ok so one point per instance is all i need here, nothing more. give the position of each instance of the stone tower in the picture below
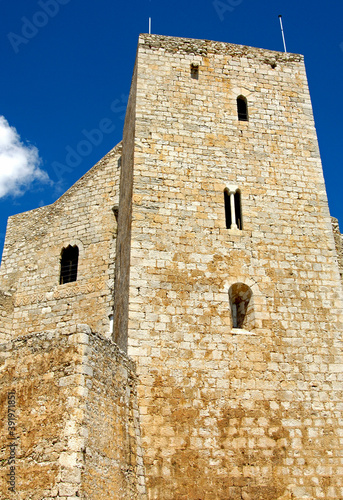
(223, 377)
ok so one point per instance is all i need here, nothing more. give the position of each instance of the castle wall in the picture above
(32, 298)
(122, 272)
(112, 455)
(339, 244)
(6, 314)
(72, 400)
(226, 409)
(32, 369)
(232, 412)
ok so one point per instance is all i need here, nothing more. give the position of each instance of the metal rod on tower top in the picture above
(149, 25)
(283, 35)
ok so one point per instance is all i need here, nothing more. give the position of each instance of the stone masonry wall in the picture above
(113, 462)
(76, 426)
(228, 412)
(35, 368)
(31, 298)
(122, 272)
(251, 413)
(339, 244)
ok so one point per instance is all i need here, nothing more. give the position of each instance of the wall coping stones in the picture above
(204, 47)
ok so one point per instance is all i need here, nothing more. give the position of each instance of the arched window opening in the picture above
(242, 308)
(242, 108)
(69, 261)
(233, 208)
(238, 210)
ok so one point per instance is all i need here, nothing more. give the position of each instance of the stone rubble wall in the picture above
(113, 452)
(227, 412)
(123, 253)
(206, 410)
(339, 244)
(76, 419)
(31, 297)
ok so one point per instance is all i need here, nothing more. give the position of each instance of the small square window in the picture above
(195, 71)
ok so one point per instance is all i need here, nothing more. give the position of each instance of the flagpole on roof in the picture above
(283, 35)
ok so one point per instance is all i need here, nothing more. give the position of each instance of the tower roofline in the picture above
(202, 47)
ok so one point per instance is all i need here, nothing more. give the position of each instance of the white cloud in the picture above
(19, 164)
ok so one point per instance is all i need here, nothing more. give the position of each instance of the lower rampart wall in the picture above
(69, 423)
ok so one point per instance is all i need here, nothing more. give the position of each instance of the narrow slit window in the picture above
(115, 210)
(242, 108)
(234, 315)
(233, 208)
(195, 71)
(228, 216)
(238, 210)
(69, 262)
(242, 307)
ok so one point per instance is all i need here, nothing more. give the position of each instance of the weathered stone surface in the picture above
(70, 443)
(339, 244)
(229, 413)
(210, 409)
(32, 300)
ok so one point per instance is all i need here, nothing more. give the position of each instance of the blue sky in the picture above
(66, 69)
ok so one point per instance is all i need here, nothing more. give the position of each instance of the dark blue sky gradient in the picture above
(72, 75)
